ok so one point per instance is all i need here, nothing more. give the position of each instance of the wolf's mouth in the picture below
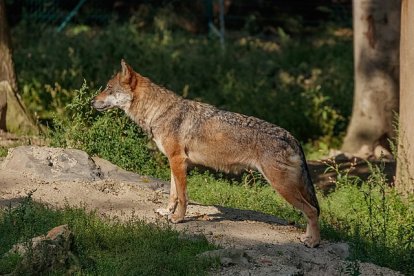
(102, 108)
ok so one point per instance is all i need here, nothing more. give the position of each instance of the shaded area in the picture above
(233, 214)
(324, 176)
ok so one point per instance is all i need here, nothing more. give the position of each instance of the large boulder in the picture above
(59, 164)
(52, 163)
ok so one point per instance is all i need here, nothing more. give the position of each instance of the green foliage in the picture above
(20, 225)
(351, 268)
(3, 151)
(374, 218)
(259, 196)
(110, 135)
(105, 247)
(283, 83)
(370, 215)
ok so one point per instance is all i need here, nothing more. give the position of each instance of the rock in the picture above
(339, 249)
(52, 163)
(382, 153)
(45, 254)
(228, 256)
(58, 164)
(111, 171)
(190, 237)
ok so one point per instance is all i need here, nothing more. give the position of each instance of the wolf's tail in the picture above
(307, 180)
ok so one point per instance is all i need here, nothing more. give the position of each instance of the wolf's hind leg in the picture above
(311, 237)
(288, 184)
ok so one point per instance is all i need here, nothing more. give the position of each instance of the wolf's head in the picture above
(118, 92)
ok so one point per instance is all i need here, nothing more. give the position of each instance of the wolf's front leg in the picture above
(173, 200)
(179, 174)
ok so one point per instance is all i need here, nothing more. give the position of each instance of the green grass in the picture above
(3, 151)
(376, 221)
(207, 189)
(105, 247)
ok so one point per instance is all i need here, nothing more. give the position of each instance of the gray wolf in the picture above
(193, 133)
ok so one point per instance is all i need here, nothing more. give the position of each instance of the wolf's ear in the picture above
(126, 72)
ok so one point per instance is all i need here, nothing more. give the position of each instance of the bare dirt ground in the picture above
(270, 246)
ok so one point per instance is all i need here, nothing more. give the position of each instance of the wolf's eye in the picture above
(109, 89)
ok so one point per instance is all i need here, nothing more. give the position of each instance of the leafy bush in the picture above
(283, 83)
(109, 135)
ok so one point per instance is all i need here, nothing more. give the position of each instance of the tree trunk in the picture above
(13, 115)
(376, 69)
(405, 164)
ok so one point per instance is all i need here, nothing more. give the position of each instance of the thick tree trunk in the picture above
(376, 58)
(13, 115)
(405, 164)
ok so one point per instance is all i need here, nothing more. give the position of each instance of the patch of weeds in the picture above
(9, 262)
(351, 268)
(105, 246)
(373, 218)
(258, 196)
(3, 151)
(110, 135)
(20, 224)
(135, 248)
(370, 215)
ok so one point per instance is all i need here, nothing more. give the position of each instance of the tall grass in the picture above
(373, 217)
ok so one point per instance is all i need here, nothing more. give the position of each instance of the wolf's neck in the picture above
(151, 103)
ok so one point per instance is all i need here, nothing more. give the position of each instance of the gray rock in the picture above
(52, 163)
(58, 164)
(228, 256)
(111, 171)
(339, 249)
(45, 254)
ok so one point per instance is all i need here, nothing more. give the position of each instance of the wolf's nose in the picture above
(92, 102)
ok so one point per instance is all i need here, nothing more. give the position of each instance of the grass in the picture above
(105, 247)
(3, 151)
(207, 189)
(376, 221)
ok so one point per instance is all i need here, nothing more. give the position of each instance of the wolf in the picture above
(193, 133)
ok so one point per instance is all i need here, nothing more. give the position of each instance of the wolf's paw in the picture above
(309, 241)
(174, 218)
(163, 212)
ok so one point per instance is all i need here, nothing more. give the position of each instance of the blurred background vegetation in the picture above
(289, 63)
